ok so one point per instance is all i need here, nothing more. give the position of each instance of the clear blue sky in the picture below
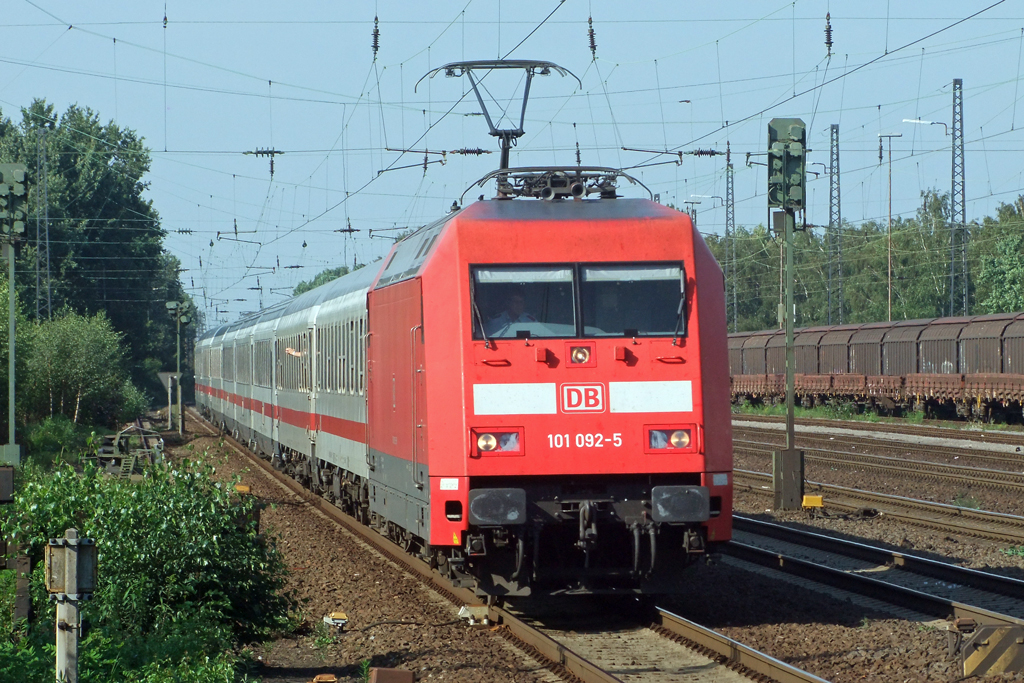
(224, 78)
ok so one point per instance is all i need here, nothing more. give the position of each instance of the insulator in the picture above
(475, 151)
(376, 38)
(705, 152)
(592, 36)
(828, 32)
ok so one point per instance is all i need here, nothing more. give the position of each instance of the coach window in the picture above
(632, 300)
(523, 302)
(352, 342)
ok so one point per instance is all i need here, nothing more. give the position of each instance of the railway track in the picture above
(681, 644)
(935, 516)
(960, 474)
(982, 613)
(959, 589)
(881, 446)
(1009, 437)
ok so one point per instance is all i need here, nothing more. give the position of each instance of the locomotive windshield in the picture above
(614, 300)
(523, 301)
(630, 300)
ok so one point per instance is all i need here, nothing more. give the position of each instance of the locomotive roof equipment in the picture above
(555, 182)
(506, 136)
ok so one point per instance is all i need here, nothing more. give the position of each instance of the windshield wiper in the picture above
(479, 319)
(680, 321)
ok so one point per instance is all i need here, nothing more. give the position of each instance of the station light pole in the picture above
(181, 312)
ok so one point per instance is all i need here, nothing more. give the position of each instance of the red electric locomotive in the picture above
(532, 392)
(549, 395)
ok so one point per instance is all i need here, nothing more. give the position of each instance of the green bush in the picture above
(183, 573)
(53, 436)
(134, 403)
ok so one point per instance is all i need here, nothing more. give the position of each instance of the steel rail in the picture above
(1001, 479)
(694, 635)
(908, 598)
(876, 445)
(562, 660)
(943, 571)
(942, 517)
(1008, 437)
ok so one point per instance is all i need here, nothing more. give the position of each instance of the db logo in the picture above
(583, 398)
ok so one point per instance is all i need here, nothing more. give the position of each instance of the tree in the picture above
(106, 242)
(1002, 276)
(323, 277)
(75, 368)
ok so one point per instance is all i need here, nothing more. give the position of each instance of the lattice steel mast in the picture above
(44, 302)
(730, 241)
(835, 234)
(958, 275)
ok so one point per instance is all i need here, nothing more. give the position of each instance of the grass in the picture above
(1013, 551)
(852, 411)
(966, 500)
(364, 671)
(844, 411)
(322, 636)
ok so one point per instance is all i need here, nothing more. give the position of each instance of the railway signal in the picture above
(787, 163)
(13, 207)
(787, 182)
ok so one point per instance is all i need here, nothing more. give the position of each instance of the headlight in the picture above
(499, 441)
(680, 438)
(669, 438)
(579, 354)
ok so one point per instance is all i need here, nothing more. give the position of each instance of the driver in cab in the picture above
(515, 312)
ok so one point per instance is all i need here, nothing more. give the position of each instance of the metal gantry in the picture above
(958, 237)
(835, 234)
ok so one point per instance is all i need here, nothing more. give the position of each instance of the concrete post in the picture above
(68, 622)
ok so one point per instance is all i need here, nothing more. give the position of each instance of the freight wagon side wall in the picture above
(1013, 347)
(938, 349)
(899, 350)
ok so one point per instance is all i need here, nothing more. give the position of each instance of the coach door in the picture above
(396, 403)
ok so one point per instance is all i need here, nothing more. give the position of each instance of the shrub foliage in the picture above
(183, 573)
